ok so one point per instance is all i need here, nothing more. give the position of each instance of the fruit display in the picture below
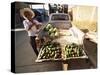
(56, 47)
(51, 50)
(73, 50)
(51, 31)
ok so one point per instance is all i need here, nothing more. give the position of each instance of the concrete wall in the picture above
(85, 17)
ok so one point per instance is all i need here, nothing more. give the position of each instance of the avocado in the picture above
(48, 26)
(43, 57)
(52, 53)
(55, 30)
(51, 30)
(55, 56)
(56, 34)
(52, 35)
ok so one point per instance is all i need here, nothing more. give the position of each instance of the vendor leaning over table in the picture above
(31, 26)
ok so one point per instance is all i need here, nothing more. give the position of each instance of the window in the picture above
(60, 17)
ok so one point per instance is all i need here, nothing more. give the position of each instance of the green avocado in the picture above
(48, 26)
(55, 30)
(51, 30)
(56, 34)
(52, 35)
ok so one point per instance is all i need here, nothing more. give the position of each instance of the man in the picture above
(31, 25)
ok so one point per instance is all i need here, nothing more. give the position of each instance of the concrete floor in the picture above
(25, 58)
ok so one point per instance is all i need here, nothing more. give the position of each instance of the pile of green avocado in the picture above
(52, 31)
(73, 50)
(51, 50)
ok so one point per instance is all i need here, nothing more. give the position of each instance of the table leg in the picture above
(65, 66)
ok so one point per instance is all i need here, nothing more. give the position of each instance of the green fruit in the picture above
(50, 46)
(52, 53)
(48, 26)
(51, 30)
(56, 34)
(52, 35)
(49, 49)
(43, 57)
(53, 49)
(55, 30)
(45, 29)
(55, 56)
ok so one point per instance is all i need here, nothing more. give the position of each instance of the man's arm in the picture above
(38, 24)
(26, 26)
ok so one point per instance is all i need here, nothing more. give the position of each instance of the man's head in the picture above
(27, 13)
